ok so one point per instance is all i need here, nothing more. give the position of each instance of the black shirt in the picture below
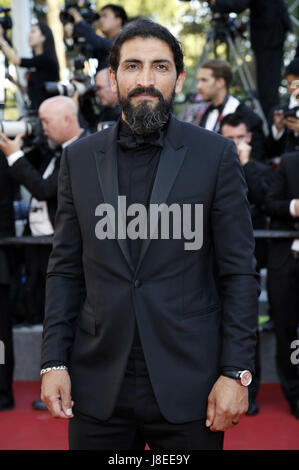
(138, 159)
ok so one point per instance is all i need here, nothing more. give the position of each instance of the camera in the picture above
(27, 126)
(85, 8)
(5, 21)
(66, 89)
(294, 112)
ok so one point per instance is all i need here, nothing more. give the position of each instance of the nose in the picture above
(146, 77)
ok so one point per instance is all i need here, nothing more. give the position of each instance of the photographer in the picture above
(58, 116)
(43, 66)
(106, 101)
(284, 132)
(269, 23)
(112, 19)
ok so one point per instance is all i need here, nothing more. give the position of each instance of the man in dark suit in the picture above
(269, 24)
(214, 80)
(148, 338)
(6, 229)
(283, 272)
(284, 131)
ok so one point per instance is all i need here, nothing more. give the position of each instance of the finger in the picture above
(3, 137)
(220, 422)
(54, 406)
(19, 137)
(210, 412)
(66, 402)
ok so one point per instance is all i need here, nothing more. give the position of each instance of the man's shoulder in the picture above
(192, 134)
(90, 142)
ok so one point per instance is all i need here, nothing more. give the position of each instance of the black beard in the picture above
(144, 119)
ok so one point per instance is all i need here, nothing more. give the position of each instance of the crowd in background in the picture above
(270, 163)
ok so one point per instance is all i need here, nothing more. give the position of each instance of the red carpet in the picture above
(274, 428)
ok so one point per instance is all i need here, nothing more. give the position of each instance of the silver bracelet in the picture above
(48, 369)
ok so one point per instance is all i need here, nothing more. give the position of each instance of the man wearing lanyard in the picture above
(214, 80)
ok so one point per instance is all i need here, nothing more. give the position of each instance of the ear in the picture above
(248, 137)
(179, 82)
(112, 78)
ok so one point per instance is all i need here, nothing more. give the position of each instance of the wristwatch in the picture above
(244, 377)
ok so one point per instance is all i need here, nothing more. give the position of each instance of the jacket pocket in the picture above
(202, 312)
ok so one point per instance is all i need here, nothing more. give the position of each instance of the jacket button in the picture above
(137, 283)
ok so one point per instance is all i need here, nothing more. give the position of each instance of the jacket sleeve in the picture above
(277, 202)
(99, 44)
(40, 188)
(235, 263)
(65, 286)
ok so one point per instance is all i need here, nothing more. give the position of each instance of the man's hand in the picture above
(10, 146)
(296, 207)
(227, 403)
(292, 123)
(56, 393)
(75, 14)
(244, 151)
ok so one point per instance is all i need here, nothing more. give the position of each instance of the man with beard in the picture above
(145, 340)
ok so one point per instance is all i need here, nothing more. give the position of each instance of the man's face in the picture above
(207, 84)
(53, 123)
(108, 21)
(293, 86)
(103, 89)
(238, 134)
(146, 78)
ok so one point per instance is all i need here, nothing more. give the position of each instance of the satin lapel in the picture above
(171, 160)
(106, 164)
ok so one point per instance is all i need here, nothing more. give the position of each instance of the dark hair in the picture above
(220, 69)
(48, 45)
(146, 28)
(119, 12)
(233, 120)
(293, 68)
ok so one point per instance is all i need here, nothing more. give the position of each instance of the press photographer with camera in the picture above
(284, 132)
(112, 19)
(42, 67)
(106, 107)
(269, 24)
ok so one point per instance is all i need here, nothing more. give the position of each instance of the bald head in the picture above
(59, 118)
(104, 93)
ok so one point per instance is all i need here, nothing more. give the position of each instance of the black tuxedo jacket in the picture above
(196, 310)
(31, 177)
(269, 20)
(284, 188)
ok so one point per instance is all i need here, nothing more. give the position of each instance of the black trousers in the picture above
(283, 291)
(137, 420)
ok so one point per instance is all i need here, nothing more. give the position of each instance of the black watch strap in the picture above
(232, 374)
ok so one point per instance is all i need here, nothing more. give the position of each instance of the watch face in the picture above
(246, 378)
